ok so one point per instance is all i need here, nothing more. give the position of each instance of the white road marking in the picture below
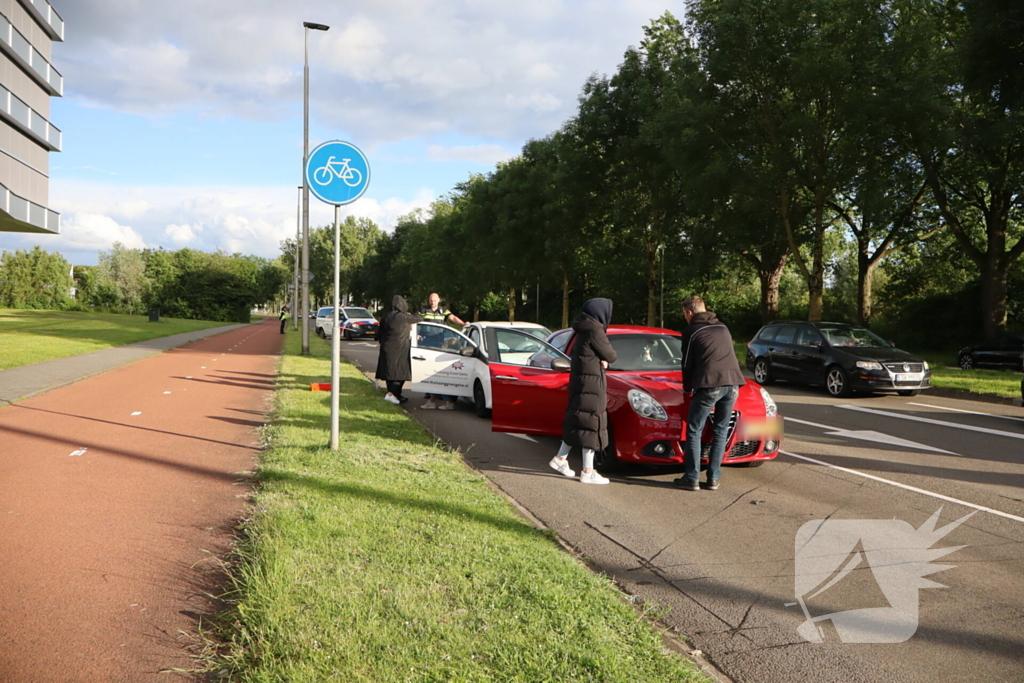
(166, 392)
(202, 367)
(969, 412)
(998, 513)
(80, 451)
(954, 425)
(524, 437)
(137, 412)
(868, 435)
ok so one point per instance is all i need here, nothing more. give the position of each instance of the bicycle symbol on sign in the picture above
(326, 174)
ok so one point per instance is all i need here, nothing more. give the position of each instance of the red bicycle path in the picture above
(109, 555)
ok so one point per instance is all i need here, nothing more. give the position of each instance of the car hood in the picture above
(879, 353)
(667, 389)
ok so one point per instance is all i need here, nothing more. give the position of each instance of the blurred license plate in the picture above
(913, 377)
(371, 332)
(758, 429)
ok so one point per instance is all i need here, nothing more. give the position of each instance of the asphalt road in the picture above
(726, 564)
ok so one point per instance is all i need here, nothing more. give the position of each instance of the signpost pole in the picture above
(298, 240)
(336, 333)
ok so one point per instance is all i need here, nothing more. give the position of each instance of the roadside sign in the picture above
(337, 172)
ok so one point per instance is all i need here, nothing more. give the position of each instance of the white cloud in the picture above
(95, 231)
(248, 220)
(386, 70)
(479, 154)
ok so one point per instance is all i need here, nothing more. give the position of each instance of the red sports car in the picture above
(646, 405)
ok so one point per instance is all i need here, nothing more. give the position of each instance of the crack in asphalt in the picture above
(661, 575)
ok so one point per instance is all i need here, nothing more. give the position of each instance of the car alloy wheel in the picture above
(348, 336)
(320, 333)
(762, 372)
(480, 401)
(836, 382)
(966, 362)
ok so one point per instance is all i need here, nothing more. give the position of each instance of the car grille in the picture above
(905, 367)
(743, 448)
(705, 446)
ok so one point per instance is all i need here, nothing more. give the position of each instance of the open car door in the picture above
(442, 360)
(528, 395)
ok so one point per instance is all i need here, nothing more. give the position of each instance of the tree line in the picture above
(182, 284)
(857, 159)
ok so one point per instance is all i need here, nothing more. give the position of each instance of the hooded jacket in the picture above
(709, 359)
(586, 414)
(394, 337)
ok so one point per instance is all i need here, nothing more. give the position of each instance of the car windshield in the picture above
(357, 313)
(852, 336)
(646, 352)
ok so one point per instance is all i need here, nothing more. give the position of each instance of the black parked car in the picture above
(843, 358)
(1003, 352)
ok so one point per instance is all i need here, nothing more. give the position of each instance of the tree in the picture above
(121, 278)
(34, 279)
(967, 109)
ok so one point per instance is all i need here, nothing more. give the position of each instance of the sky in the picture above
(182, 121)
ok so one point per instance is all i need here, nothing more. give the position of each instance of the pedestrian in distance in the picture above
(586, 414)
(712, 380)
(394, 367)
(434, 312)
(283, 317)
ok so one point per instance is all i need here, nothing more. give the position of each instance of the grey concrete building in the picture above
(27, 82)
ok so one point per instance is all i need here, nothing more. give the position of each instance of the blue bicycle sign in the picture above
(337, 172)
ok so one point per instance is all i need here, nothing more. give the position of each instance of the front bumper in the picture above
(745, 444)
(884, 382)
(358, 331)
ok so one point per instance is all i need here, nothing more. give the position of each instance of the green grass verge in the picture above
(390, 560)
(946, 375)
(30, 336)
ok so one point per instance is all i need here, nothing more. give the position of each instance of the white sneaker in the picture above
(592, 477)
(561, 465)
(446, 405)
(391, 398)
(429, 405)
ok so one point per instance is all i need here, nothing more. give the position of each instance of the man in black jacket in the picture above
(711, 379)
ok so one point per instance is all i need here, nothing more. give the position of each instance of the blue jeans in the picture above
(722, 399)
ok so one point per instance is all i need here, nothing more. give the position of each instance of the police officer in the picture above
(283, 317)
(434, 312)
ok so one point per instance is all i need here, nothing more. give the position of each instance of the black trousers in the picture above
(395, 388)
(283, 321)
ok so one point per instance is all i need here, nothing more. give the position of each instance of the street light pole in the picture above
(305, 189)
(298, 241)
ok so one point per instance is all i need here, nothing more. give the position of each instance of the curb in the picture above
(971, 396)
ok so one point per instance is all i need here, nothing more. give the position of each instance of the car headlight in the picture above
(645, 406)
(869, 365)
(926, 366)
(770, 408)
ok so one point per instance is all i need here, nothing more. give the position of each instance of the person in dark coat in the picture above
(712, 379)
(586, 415)
(394, 367)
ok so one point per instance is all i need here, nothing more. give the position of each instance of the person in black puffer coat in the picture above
(394, 366)
(586, 415)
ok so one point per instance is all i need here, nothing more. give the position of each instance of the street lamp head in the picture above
(315, 27)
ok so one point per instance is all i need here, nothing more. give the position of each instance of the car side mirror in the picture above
(561, 364)
(467, 351)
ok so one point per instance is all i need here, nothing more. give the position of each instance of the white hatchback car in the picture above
(445, 361)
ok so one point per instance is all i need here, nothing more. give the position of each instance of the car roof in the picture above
(810, 322)
(498, 323)
(631, 329)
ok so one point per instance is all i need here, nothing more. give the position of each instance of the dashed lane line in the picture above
(953, 425)
(998, 513)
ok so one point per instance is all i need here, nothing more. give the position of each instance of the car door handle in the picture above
(418, 358)
(514, 379)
